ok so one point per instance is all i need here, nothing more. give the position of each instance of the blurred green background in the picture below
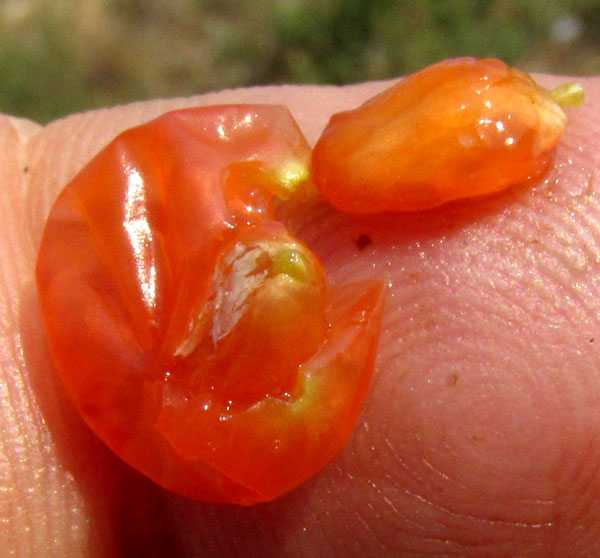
(63, 56)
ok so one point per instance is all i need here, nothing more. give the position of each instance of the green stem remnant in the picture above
(568, 95)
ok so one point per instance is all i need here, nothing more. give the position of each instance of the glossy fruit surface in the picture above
(460, 128)
(194, 334)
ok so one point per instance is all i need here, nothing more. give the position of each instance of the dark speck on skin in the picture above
(25, 169)
(363, 241)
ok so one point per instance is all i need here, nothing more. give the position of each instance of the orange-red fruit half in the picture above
(460, 128)
(193, 333)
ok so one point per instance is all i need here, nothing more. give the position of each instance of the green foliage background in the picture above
(63, 56)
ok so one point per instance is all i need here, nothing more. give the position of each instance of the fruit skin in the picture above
(460, 128)
(193, 333)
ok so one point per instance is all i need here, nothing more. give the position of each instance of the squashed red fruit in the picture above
(193, 333)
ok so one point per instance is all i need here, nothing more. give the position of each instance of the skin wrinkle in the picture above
(458, 543)
(580, 307)
(577, 479)
(430, 503)
(15, 397)
(386, 526)
(509, 297)
(74, 519)
(447, 511)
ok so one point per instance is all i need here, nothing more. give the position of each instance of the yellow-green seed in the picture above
(289, 177)
(291, 262)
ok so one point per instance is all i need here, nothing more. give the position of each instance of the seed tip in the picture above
(289, 177)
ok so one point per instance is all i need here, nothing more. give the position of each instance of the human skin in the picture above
(480, 436)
